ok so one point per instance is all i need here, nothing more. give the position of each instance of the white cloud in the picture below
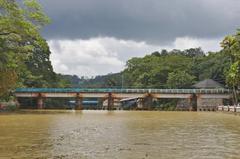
(103, 55)
(206, 44)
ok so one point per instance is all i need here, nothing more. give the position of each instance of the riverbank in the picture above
(229, 113)
(65, 111)
(8, 106)
(36, 111)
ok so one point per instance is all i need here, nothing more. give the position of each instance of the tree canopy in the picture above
(176, 68)
(231, 47)
(24, 54)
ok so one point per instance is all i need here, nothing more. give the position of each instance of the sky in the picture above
(97, 37)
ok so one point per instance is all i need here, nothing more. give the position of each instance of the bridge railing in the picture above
(110, 90)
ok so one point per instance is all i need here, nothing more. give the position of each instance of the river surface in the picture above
(120, 134)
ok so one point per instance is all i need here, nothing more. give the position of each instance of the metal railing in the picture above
(110, 90)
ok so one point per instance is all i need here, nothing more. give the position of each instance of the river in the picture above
(120, 134)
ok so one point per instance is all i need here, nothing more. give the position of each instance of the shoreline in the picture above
(64, 111)
(46, 111)
(229, 112)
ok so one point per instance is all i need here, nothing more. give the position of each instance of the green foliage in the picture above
(39, 71)
(173, 69)
(33, 12)
(231, 47)
(180, 79)
(114, 80)
(24, 54)
(19, 32)
(233, 75)
(8, 106)
(212, 66)
(11, 107)
(8, 79)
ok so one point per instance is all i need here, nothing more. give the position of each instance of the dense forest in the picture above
(25, 59)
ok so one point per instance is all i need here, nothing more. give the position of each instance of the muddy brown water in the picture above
(119, 134)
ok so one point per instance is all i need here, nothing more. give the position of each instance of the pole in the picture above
(122, 80)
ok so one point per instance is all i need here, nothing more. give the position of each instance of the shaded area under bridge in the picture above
(197, 96)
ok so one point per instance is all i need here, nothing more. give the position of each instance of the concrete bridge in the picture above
(198, 96)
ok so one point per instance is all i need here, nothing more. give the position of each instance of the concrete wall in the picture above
(184, 104)
(208, 104)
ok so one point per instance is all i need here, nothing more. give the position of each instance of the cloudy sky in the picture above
(96, 37)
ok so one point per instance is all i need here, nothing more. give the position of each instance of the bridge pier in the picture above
(148, 102)
(191, 104)
(40, 102)
(79, 105)
(192, 101)
(110, 105)
(100, 103)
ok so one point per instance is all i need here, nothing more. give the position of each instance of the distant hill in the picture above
(110, 80)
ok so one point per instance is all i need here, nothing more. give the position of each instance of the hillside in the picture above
(165, 69)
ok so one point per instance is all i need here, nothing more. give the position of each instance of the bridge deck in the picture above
(110, 90)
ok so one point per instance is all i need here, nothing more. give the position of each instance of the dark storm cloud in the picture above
(144, 20)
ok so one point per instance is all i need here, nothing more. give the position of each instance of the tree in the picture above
(152, 70)
(211, 66)
(164, 52)
(231, 46)
(40, 69)
(156, 53)
(233, 75)
(194, 52)
(8, 79)
(19, 30)
(20, 24)
(180, 79)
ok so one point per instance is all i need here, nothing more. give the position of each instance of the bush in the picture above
(11, 106)
(8, 106)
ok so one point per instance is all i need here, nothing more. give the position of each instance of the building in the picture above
(211, 103)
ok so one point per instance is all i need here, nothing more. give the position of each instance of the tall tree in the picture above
(180, 79)
(20, 24)
(231, 46)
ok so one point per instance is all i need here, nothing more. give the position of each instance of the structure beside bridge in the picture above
(198, 99)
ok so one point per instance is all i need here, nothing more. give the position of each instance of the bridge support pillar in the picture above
(199, 103)
(100, 103)
(190, 103)
(79, 105)
(110, 105)
(40, 103)
(193, 102)
(148, 102)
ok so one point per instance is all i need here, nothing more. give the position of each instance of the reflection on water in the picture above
(102, 134)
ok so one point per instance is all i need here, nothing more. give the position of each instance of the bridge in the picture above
(199, 96)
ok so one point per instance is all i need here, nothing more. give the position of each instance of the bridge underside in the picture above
(101, 95)
(201, 100)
